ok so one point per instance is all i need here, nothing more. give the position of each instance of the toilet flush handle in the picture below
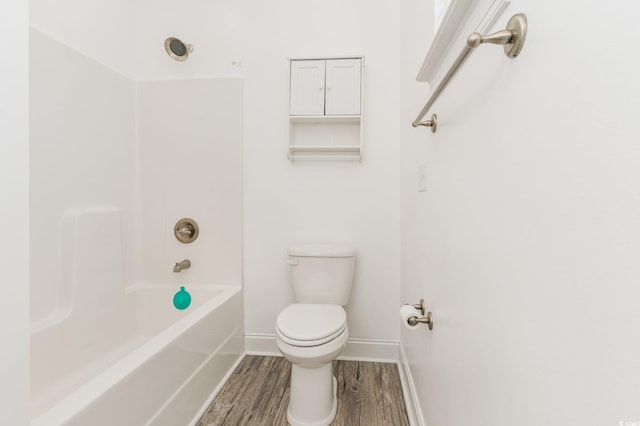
(293, 262)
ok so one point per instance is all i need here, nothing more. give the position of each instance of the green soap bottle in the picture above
(182, 299)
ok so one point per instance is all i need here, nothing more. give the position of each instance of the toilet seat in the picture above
(307, 324)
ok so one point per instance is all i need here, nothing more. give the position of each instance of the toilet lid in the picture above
(306, 324)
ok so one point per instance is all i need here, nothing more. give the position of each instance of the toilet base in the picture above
(313, 400)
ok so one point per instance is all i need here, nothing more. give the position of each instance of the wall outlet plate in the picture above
(422, 177)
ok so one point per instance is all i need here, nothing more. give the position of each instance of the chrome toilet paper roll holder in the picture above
(422, 319)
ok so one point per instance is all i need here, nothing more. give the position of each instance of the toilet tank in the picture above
(322, 274)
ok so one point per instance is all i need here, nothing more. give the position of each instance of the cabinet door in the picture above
(307, 88)
(343, 87)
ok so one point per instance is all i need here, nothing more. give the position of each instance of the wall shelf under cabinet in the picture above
(324, 152)
(325, 109)
(325, 118)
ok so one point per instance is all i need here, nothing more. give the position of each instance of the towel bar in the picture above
(512, 38)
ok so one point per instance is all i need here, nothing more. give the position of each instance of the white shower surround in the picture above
(103, 248)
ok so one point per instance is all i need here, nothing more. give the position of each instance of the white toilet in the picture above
(312, 332)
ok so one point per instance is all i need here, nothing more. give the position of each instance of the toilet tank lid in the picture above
(322, 251)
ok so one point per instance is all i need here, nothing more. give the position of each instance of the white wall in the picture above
(526, 244)
(219, 31)
(14, 213)
(82, 154)
(101, 30)
(323, 202)
(291, 203)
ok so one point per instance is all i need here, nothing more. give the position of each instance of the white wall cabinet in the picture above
(325, 106)
(325, 87)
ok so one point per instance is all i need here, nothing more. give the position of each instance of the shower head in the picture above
(176, 49)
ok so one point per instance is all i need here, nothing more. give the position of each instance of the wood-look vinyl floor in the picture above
(257, 393)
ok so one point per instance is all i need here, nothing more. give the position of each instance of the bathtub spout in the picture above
(185, 264)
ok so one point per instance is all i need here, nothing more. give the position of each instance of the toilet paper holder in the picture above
(423, 319)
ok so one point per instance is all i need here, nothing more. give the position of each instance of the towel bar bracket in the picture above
(518, 27)
(433, 123)
(512, 38)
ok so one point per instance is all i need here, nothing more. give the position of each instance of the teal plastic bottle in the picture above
(182, 299)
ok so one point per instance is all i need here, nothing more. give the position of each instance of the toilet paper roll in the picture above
(407, 311)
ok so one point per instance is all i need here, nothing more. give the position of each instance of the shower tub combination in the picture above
(128, 357)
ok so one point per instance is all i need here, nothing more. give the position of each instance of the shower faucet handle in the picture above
(186, 231)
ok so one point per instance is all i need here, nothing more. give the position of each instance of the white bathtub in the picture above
(138, 361)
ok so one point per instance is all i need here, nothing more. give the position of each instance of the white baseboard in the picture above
(261, 344)
(371, 350)
(356, 349)
(408, 389)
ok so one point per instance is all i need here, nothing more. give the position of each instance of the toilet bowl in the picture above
(312, 332)
(311, 336)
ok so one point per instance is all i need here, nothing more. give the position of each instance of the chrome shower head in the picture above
(176, 49)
